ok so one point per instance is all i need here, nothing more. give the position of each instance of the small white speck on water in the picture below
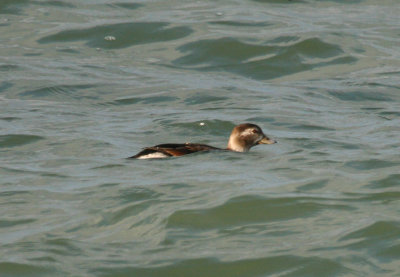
(153, 60)
(202, 124)
(219, 13)
(109, 38)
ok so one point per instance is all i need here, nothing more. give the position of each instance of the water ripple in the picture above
(17, 140)
(85, 83)
(249, 209)
(20, 269)
(126, 34)
(144, 100)
(11, 6)
(390, 181)
(59, 90)
(125, 5)
(376, 238)
(284, 265)
(260, 61)
(14, 222)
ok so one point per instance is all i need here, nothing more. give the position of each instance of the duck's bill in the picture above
(266, 140)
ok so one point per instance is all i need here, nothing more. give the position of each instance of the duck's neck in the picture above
(235, 145)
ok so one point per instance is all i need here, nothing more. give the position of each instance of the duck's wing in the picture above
(172, 150)
(150, 153)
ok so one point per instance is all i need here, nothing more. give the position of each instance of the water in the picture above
(83, 86)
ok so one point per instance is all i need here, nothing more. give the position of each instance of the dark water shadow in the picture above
(371, 164)
(8, 67)
(126, 5)
(16, 6)
(55, 3)
(132, 201)
(62, 247)
(390, 181)
(5, 223)
(4, 86)
(271, 60)
(125, 34)
(12, 6)
(377, 238)
(249, 210)
(376, 197)
(24, 269)
(17, 140)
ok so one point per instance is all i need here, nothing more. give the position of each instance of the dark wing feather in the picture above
(175, 149)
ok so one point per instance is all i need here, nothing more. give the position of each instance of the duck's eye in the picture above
(254, 131)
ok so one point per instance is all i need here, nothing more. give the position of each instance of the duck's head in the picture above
(245, 136)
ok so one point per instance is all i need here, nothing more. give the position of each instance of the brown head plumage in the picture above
(245, 136)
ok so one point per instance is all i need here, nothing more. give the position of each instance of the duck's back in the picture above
(172, 150)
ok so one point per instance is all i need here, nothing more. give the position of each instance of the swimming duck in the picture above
(242, 138)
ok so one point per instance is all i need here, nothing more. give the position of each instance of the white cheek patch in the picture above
(248, 132)
(155, 155)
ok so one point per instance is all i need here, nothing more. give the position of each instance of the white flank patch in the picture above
(155, 155)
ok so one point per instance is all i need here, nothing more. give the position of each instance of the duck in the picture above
(242, 139)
